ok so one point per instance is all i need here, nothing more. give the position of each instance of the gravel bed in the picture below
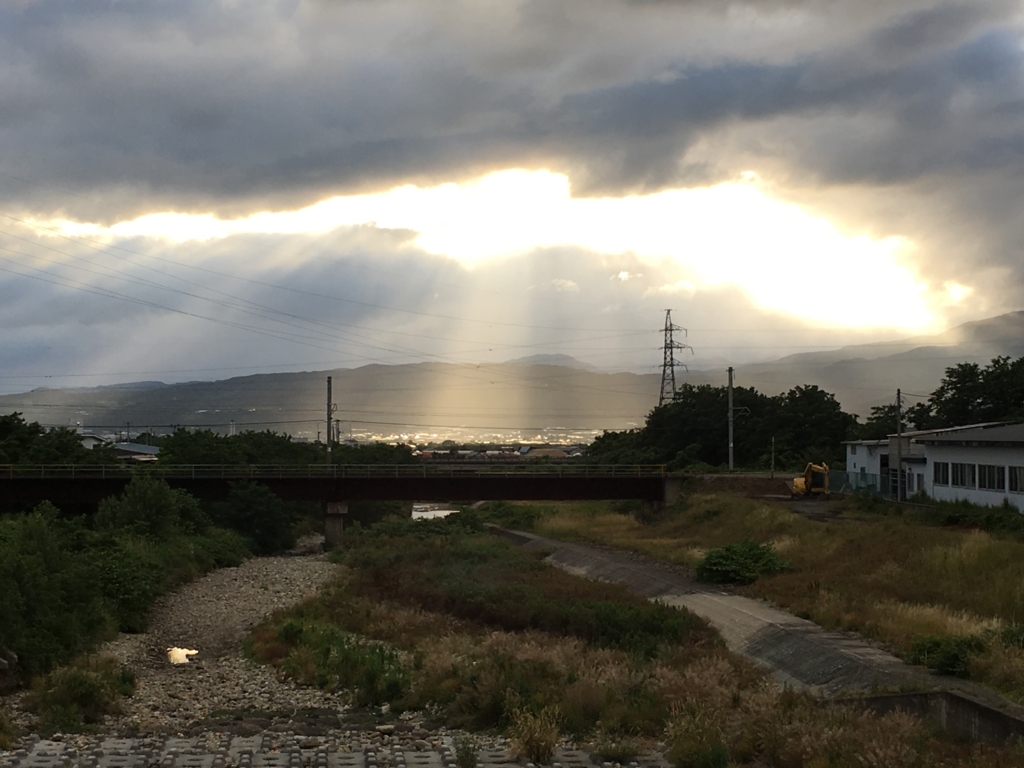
(212, 614)
(200, 714)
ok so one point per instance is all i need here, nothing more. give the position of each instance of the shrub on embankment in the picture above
(929, 582)
(403, 625)
(69, 583)
(740, 563)
(440, 613)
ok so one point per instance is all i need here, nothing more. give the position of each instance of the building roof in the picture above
(149, 450)
(918, 434)
(921, 433)
(1003, 436)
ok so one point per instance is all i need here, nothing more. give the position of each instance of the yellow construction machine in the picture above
(813, 482)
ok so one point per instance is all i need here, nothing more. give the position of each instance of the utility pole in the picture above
(730, 417)
(330, 412)
(773, 457)
(899, 447)
(669, 362)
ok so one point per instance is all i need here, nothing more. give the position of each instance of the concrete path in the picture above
(796, 652)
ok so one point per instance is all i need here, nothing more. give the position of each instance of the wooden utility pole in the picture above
(730, 417)
(899, 447)
(330, 413)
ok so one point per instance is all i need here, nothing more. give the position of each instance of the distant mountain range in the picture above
(525, 398)
(541, 395)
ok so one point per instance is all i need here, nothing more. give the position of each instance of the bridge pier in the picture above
(334, 521)
(673, 490)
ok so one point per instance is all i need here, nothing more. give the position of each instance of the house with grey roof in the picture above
(136, 452)
(984, 465)
(868, 462)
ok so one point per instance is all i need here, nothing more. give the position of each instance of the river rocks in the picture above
(224, 711)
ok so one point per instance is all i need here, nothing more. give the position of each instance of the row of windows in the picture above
(987, 477)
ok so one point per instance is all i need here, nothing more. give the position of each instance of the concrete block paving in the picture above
(225, 751)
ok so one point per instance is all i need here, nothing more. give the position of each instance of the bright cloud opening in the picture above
(784, 258)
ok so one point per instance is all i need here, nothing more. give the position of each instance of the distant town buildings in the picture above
(134, 453)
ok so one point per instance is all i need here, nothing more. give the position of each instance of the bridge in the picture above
(335, 485)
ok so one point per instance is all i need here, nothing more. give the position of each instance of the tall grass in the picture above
(898, 577)
(79, 696)
(409, 608)
(490, 633)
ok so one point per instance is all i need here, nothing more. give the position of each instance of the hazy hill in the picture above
(869, 374)
(375, 398)
(535, 393)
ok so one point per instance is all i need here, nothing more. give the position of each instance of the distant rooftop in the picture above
(1004, 435)
(150, 450)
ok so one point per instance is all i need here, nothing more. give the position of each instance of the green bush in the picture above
(66, 587)
(466, 751)
(151, 508)
(488, 580)
(51, 607)
(75, 697)
(520, 517)
(318, 652)
(946, 654)
(258, 515)
(617, 750)
(740, 563)
(128, 579)
(7, 731)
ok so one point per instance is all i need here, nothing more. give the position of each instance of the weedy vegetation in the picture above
(740, 563)
(440, 615)
(78, 696)
(941, 585)
(8, 733)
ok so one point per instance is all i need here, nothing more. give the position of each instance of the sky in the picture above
(197, 190)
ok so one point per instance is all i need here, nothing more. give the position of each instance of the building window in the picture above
(940, 473)
(991, 478)
(853, 450)
(963, 475)
(1016, 479)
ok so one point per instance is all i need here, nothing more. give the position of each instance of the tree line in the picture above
(806, 423)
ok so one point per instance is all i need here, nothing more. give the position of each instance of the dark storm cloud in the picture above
(336, 307)
(198, 105)
(109, 110)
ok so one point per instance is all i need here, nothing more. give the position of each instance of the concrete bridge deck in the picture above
(82, 484)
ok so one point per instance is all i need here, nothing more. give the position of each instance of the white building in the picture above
(865, 457)
(984, 465)
(868, 461)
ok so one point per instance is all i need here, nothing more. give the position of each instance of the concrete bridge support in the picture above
(334, 521)
(651, 508)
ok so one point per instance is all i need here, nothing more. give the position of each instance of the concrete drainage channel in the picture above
(840, 667)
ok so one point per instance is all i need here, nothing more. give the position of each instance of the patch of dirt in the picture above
(748, 485)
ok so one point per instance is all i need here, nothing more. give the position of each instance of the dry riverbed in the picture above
(213, 615)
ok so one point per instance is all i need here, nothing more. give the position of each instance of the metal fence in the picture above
(854, 482)
(325, 471)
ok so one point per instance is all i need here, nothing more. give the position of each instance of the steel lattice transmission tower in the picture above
(669, 363)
